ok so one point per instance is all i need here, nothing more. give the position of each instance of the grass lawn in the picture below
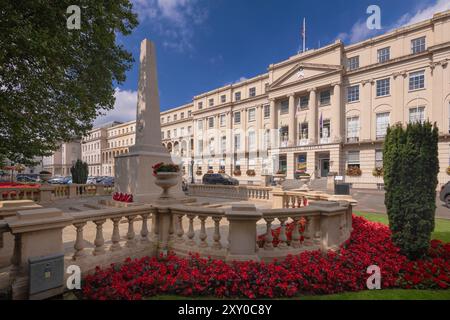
(391, 294)
(441, 230)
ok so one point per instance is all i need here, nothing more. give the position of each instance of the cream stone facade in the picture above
(60, 162)
(322, 111)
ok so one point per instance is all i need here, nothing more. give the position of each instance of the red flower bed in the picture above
(122, 197)
(18, 185)
(310, 272)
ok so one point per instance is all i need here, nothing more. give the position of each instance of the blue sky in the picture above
(205, 44)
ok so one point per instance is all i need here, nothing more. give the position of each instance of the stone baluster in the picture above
(115, 238)
(180, 230)
(144, 228)
(155, 226)
(295, 233)
(282, 237)
(268, 243)
(16, 267)
(79, 241)
(202, 234)
(191, 232)
(99, 240)
(216, 236)
(131, 235)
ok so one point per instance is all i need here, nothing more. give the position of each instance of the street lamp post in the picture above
(192, 171)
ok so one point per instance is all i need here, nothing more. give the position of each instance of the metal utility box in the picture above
(46, 276)
(342, 189)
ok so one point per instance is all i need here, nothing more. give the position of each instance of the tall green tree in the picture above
(55, 81)
(411, 167)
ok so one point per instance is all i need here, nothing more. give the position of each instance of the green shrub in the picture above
(411, 166)
(79, 172)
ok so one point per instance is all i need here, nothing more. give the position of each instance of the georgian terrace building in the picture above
(321, 111)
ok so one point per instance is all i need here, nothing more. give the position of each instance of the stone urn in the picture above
(166, 180)
(45, 177)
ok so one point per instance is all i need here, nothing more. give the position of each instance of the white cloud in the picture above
(359, 30)
(173, 19)
(124, 108)
(423, 13)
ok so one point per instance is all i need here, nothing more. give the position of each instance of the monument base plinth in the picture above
(134, 175)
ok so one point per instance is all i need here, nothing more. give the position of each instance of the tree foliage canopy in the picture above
(411, 166)
(54, 81)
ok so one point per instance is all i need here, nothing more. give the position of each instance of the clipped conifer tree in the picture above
(411, 166)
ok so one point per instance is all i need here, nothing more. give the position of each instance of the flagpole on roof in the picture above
(304, 34)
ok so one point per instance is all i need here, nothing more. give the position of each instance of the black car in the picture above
(444, 195)
(219, 178)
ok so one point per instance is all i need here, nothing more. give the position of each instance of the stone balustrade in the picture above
(230, 192)
(46, 193)
(241, 232)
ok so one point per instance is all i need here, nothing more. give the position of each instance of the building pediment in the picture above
(302, 72)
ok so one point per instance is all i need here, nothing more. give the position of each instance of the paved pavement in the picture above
(373, 201)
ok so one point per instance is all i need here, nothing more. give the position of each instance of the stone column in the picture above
(364, 121)
(273, 124)
(292, 131)
(336, 114)
(242, 232)
(259, 127)
(312, 116)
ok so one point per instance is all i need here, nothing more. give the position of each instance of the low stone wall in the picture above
(230, 192)
(222, 234)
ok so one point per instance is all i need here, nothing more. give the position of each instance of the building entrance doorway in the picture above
(324, 167)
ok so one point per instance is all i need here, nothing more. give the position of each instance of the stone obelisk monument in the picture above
(133, 171)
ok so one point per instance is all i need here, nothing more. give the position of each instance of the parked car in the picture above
(108, 181)
(24, 178)
(219, 178)
(444, 196)
(56, 180)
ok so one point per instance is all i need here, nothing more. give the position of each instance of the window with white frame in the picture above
(266, 139)
(223, 144)
(174, 117)
(252, 92)
(266, 111)
(251, 140)
(182, 132)
(237, 142)
(382, 124)
(378, 158)
(200, 125)
(325, 129)
(353, 93)
(417, 114)
(223, 98)
(416, 80)
(251, 115)
(237, 96)
(175, 133)
(168, 134)
(182, 115)
(418, 45)
(200, 105)
(383, 87)
(200, 146)
(211, 102)
(304, 102)
(189, 130)
(237, 117)
(325, 97)
(353, 63)
(211, 122)
(384, 54)
(353, 129)
(353, 159)
(284, 106)
(223, 120)
(303, 132)
(211, 146)
(189, 113)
